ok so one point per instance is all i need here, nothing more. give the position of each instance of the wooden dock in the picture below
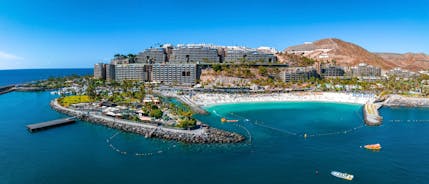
(50, 124)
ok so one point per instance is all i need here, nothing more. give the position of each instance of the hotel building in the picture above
(294, 74)
(100, 71)
(131, 72)
(365, 70)
(184, 74)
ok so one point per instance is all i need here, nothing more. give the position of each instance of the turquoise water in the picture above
(276, 153)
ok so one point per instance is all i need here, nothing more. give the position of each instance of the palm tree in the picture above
(90, 90)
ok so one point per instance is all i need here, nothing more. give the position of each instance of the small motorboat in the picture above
(224, 120)
(373, 146)
(341, 175)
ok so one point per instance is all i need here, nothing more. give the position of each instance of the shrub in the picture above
(187, 123)
(156, 113)
(69, 100)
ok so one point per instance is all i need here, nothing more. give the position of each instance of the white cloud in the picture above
(7, 56)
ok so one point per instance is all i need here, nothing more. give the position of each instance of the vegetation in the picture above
(217, 67)
(263, 71)
(187, 123)
(156, 113)
(69, 100)
(90, 90)
(298, 60)
(184, 113)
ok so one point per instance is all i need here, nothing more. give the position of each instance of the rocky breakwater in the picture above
(29, 89)
(402, 101)
(371, 115)
(202, 135)
(7, 89)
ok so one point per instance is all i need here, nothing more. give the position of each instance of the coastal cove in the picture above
(271, 153)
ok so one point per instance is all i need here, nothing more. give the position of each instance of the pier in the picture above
(371, 115)
(50, 124)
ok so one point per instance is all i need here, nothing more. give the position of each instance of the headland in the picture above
(203, 134)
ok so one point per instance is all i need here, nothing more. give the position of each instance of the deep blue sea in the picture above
(8, 77)
(275, 151)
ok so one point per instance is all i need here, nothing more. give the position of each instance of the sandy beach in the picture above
(209, 99)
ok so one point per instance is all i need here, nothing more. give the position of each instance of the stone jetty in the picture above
(7, 89)
(371, 115)
(205, 134)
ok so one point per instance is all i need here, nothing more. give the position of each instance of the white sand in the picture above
(208, 99)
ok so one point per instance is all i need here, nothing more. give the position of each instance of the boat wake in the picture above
(217, 114)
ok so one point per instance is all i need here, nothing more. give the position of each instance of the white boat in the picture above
(342, 175)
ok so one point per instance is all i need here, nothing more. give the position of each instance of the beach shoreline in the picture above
(206, 100)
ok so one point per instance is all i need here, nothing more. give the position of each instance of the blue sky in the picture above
(79, 33)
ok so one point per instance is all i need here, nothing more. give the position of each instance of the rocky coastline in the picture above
(204, 135)
(402, 101)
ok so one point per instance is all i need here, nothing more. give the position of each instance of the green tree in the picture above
(263, 71)
(187, 123)
(90, 90)
(217, 68)
(156, 113)
(141, 93)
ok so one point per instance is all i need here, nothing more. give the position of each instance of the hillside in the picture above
(349, 54)
(409, 61)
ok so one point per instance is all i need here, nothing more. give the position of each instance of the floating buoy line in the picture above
(241, 126)
(291, 133)
(249, 135)
(114, 148)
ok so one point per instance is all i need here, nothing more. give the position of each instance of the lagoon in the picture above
(277, 152)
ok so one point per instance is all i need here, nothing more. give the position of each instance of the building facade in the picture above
(152, 55)
(100, 71)
(184, 74)
(332, 71)
(193, 53)
(401, 73)
(131, 72)
(295, 74)
(110, 72)
(365, 70)
(243, 54)
(120, 59)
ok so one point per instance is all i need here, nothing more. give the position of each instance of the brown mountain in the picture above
(409, 61)
(349, 54)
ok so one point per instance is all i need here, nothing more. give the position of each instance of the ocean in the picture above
(276, 150)
(9, 77)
